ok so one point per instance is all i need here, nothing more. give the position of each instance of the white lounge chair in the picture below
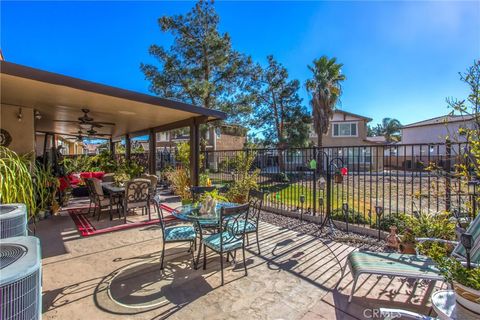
(409, 265)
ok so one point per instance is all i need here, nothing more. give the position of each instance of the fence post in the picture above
(207, 162)
(128, 147)
(328, 210)
(448, 180)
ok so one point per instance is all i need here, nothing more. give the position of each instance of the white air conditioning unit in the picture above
(13, 220)
(20, 283)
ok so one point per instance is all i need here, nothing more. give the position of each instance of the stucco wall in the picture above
(330, 141)
(433, 133)
(229, 142)
(23, 132)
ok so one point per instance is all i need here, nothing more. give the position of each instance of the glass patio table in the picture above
(191, 212)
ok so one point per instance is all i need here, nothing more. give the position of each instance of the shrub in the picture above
(353, 216)
(453, 270)
(245, 178)
(179, 180)
(16, 183)
(432, 225)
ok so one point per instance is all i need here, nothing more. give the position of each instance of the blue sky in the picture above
(401, 59)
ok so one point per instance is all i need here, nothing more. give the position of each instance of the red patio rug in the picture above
(86, 227)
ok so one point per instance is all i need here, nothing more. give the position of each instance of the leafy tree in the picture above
(279, 114)
(389, 128)
(200, 67)
(326, 89)
(470, 109)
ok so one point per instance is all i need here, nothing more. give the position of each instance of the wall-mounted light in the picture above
(38, 115)
(19, 115)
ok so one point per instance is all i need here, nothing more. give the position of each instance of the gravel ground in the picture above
(352, 239)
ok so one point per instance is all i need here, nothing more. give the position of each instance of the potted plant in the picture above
(337, 176)
(465, 282)
(407, 245)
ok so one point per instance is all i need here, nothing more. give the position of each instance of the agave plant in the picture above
(16, 184)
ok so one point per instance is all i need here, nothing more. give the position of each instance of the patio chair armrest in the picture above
(397, 313)
(436, 240)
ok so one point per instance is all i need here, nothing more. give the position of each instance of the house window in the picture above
(346, 129)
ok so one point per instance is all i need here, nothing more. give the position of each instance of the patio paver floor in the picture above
(117, 275)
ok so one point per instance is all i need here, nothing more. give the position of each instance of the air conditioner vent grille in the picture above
(6, 209)
(20, 300)
(13, 220)
(10, 253)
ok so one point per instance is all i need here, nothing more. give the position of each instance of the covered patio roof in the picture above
(60, 97)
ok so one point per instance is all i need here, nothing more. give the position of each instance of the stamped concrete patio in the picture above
(117, 275)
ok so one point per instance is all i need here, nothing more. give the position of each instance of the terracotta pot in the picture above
(467, 297)
(407, 248)
(338, 178)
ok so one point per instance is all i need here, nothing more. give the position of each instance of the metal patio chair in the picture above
(255, 201)
(136, 196)
(226, 241)
(100, 200)
(152, 191)
(175, 232)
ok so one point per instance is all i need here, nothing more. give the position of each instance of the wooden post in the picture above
(152, 149)
(45, 146)
(112, 148)
(128, 147)
(194, 152)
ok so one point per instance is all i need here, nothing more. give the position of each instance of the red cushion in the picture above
(85, 175)
(98, 174)
(73, 179)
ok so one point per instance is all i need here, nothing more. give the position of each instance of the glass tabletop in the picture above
(191, 212)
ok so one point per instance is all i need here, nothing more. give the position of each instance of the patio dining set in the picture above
(224, 231)
(133, 194)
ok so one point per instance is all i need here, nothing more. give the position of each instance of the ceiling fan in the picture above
(80, 135)
(87, 120)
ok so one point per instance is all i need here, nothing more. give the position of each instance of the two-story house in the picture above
(215, 139)
(424, 142)
(346, 129)
(224, 137)
(347, 139)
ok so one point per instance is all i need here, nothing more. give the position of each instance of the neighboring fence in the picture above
(399, 179)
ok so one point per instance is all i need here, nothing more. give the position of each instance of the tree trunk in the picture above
(319, 139)
(281, 159)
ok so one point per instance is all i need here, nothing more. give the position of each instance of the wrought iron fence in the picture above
(397, 178)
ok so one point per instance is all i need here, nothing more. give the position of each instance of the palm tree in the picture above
(326, 89)
(391, 129)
